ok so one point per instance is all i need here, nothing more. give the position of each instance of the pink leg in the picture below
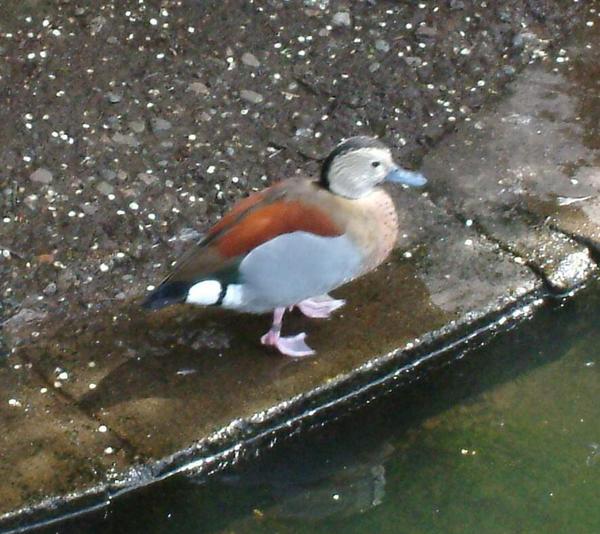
(290, 346)
(320, 307)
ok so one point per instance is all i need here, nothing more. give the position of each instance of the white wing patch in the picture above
(204, 293)
(234, 296)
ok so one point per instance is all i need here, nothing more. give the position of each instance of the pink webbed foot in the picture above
(290, 346)
(320, 307)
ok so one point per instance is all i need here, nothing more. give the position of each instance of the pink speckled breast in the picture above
(383, 228)
(387, 219)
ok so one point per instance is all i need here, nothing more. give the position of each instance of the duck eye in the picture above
(375, 164)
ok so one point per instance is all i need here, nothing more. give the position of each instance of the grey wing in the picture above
(296, 266)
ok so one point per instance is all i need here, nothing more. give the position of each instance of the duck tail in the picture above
(166, 294)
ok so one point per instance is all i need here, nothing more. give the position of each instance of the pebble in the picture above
(250, 60)
(114, 122)
(89, 209)
(321, 4)
(108, 174)
(50, 289)
(199, 88)
(189, 234)
(251, 96)
(160, 125)
(304, 132)
(427, 31)
(97, 23)
(342, 18)
(137, 126)
(382, 46)
(129, 140)
(147, 178)
(526, 38)
(42, 176)
(105, 188)
(114, 98)
(413, 61)
(31, 202)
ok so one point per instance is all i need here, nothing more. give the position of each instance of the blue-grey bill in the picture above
(402, 176)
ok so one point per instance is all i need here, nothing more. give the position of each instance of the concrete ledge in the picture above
(243, 435)
(176, 391)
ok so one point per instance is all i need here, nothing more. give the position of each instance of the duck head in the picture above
(359, 164)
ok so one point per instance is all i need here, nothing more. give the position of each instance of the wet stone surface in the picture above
(48, 447)
(131, 126)
(527, 171)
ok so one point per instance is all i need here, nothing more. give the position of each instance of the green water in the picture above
(504, 439)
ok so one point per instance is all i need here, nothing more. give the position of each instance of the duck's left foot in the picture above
(290, 346)
(320, 307)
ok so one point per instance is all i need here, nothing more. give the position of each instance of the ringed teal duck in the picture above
(290, 244)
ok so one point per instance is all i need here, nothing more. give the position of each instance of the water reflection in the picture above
(331, 482)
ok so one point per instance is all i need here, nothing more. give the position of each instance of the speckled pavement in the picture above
(130, 127)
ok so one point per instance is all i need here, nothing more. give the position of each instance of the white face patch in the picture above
(204, 293)
(356, 173)
(234, 296)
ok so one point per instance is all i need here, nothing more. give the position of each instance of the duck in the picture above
(288, 246)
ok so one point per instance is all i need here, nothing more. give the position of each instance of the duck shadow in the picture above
(198, 353)
(212, 358)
